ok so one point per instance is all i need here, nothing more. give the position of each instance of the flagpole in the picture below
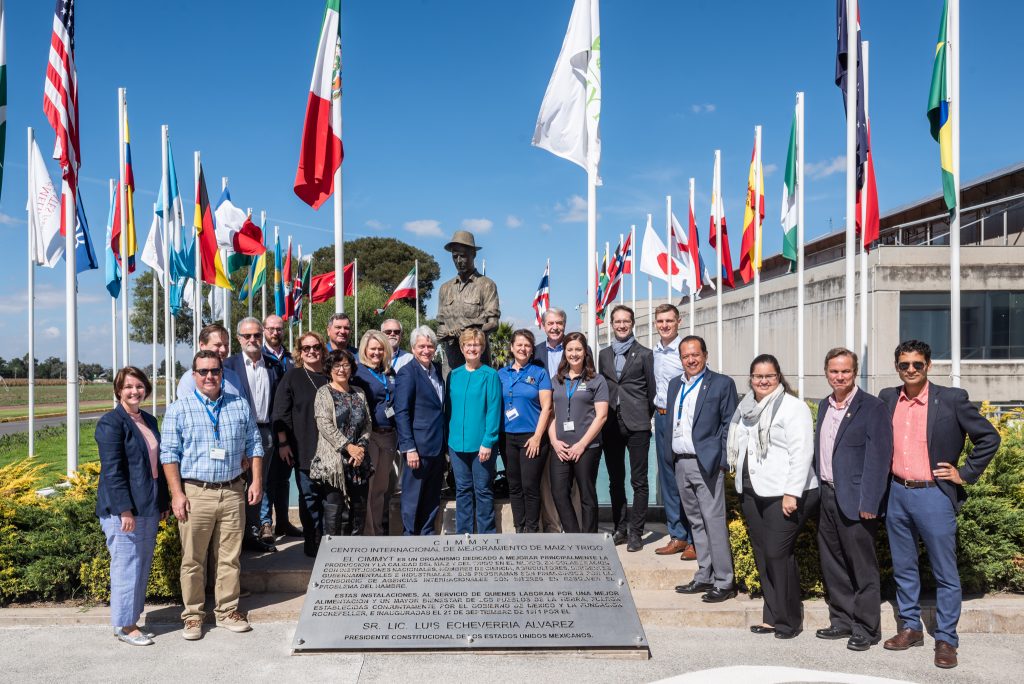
(251, 295)
(197, 315)
(632, 264)
(864, 245)
(622, 284)
(650, 313)
(668, 245)
(954, 224)
(263, 287)
(355, 301)
(298, 318)
(756, 204)
(168, 336)
(122, 116)
(225, 294)
(591, 266)
(800, 243)
(607, 323)
(156, 374)
(417, 267)
(851, 165)
(696, 267)
(716, 191)
(31, 312)
(113, 304)
(339, 219)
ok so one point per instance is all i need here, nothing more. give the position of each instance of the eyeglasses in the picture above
(391, 332)
(341, 367)
(763, 378)
(905, 365)
(203, 372)
(250, 336)
(309, 348)
(272, 328)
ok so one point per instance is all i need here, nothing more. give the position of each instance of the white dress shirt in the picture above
(259, 385)
(682, 415)
(667, 365)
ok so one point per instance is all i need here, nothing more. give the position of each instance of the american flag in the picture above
(60, 93)
(542, 300)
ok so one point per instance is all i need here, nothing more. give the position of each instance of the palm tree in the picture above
(500, 340)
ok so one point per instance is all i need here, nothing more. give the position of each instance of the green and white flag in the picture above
(789, 246)
(3, 92)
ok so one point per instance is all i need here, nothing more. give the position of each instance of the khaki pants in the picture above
(215, 523)
(382, 451)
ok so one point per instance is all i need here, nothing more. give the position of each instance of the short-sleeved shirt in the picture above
(580, 409)
(520, 390)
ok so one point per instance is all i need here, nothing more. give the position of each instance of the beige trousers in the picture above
(382, 450)
(215, 523)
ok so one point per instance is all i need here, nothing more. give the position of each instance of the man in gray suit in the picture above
(701, 403)
(628, 367)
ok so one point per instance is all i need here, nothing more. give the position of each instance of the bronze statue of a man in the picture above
(469, 300)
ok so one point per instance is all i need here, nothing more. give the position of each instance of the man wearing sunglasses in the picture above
(392, 329)
(929, 424)
(208, 439)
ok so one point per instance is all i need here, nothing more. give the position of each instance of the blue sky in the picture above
(440, 101)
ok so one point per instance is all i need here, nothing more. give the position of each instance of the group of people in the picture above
(356, 424)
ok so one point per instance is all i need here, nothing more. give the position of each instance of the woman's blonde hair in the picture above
(473, 335)
(365, 342)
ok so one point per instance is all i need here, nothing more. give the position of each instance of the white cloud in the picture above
(573, 211)
(706, 108)
(478, 225)
(8, 220)
(545, 227)
(826, 167)
(376, 225)
(769, 169)
(424, 227)
(513, 221)
(53, 332)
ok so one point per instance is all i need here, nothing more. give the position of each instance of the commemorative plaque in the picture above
(487, 592)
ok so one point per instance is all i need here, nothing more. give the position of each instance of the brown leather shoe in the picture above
(945, 655)
(267, 534)
(689, 553)
(673, 547)
(904, 639)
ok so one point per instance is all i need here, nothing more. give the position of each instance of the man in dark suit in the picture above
(420, 423)
(628, 367)
(549, 352)
(701, 403)
(929, 425)
(852, 453)
(259, 373)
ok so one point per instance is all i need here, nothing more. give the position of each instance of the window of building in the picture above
(991, 323)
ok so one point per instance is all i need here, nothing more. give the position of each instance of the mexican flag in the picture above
(789, 247)
(321, 152)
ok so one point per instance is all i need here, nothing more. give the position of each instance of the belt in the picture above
(915, 484)
(213, 485)
(661, 411)
(686, 455)
(384, 430)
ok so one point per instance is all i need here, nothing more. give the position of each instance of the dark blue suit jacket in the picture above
(125, 475)
(716, 402)
(275, 371)
(419, 414)
(951, 417)
(862, 456)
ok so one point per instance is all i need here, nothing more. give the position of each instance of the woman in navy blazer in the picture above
(419, 420)
(131, 500)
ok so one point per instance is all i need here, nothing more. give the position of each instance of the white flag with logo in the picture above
(47, 244)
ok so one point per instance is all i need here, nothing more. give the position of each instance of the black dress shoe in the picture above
(717, 595)
(288, 530)
(634, 544)
(833, 633)
(860, 643)
(253, 544)
(761, 629)
(619, 537)
(785, 635)
(694, 587)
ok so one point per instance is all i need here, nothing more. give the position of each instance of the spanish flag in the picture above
(206, 236)
(750, 247)
(938, 110)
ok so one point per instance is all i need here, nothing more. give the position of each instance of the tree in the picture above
(383, 262)
(52, 368)
(91, 371)
(499, 341)
(371, 299)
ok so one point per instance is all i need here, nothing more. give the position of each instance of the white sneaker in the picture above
(234, 621)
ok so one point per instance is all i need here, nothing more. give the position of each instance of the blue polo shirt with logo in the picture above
(520, 389)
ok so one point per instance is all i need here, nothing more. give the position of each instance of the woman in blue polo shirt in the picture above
(526, 395)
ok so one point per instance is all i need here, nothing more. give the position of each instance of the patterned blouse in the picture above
(342, 418)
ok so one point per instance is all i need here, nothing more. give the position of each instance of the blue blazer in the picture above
(125, 475)
(419, 414)
(275, 371)
(951, 417)
(716, 402)
(862, 456)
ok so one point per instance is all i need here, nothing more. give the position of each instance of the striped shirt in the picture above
(188, 436)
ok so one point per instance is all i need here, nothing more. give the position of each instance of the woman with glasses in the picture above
(526, 395)
(376, 378)
(771, 448)
(340, 467)
(131, 500)
(297, 434)
(580, 400)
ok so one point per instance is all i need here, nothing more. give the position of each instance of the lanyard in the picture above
(382, 379)
(214, 417)
(570, 389)
(514, 381)
(682, 400)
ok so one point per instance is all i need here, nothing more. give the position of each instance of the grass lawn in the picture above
(51, 449)
(52, 399)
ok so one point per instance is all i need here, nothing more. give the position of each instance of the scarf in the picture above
(620, 349)
(753, 413)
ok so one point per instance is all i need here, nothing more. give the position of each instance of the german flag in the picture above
(213, 269)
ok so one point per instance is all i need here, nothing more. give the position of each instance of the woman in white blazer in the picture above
(771, 449)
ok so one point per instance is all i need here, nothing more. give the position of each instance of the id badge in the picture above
(389, 412)
(569, 426)
(583, 386)
(218, 454)
(512, 413)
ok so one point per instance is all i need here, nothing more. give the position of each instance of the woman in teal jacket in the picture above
(474, 417)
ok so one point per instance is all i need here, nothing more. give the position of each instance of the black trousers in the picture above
(773, 537)
(850, 569)
(339, 519)
(617, 440)
(584, 473)
(524, 475)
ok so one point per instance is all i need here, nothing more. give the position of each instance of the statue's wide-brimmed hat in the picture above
(464, 238)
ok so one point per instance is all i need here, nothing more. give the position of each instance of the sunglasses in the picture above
(905, 365)
(203, 372)
(392, 332)
(250, 336)
(307, 348)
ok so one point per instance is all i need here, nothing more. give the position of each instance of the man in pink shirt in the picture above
(929, 423)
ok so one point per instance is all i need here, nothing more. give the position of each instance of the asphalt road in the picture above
(17, 426)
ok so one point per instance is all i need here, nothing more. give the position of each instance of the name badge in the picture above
(569, 426)
(389, 412)
(512, 413)
(218, 454)
(583, 386)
